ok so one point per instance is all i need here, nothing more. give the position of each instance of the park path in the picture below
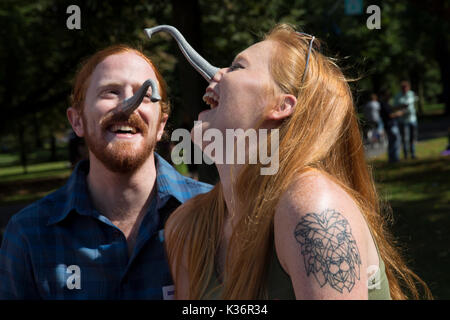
(431, 128)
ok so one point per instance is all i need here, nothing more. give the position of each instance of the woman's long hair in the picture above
(322, 133)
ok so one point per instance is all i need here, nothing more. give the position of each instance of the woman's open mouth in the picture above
(211, 99)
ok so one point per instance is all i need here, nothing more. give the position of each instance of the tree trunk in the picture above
(416, 82)
(22, 148)
(421, 98)
(444, 65)
(442, 54)
(187, 19)
(37, 132)
(52, 147)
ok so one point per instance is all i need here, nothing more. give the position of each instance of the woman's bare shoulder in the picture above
(315, 213)
(314, 190)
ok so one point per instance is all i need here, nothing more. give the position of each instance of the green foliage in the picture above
(40, 55)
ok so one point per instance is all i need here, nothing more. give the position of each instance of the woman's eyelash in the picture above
(236, 66)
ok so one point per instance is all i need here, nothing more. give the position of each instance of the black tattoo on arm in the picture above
(329, 249)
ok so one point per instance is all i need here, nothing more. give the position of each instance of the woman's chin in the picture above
(201, 115)
(205, 115)
(198, 131)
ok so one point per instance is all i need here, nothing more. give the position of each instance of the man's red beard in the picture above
(120, 156)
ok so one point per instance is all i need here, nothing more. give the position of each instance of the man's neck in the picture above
(122, 198)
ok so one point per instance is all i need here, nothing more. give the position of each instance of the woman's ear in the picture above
(284, 108)
(76, 121)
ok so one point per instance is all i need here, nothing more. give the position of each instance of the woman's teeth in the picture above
(211, 99)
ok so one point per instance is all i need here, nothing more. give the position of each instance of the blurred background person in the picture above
(390, 120)
(375, 130)
(408, 121)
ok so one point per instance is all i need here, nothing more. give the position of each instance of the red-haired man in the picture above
(100, 236)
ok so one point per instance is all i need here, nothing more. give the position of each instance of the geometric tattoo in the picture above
(329, 249)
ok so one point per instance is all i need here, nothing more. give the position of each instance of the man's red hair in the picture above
(83, 77)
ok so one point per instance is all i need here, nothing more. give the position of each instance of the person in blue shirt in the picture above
(390, 119)
(408, 122)
(101, 235)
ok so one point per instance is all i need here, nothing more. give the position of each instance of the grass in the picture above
(8, 159)
(431, 109)
(419, 194)
(417, 190)
(34, 171)
(16, 186)
(425, 149)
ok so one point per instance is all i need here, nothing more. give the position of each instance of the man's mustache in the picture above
(114, 117)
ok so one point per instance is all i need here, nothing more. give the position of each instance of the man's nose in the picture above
(134, 99)
(128, 92)
(131, 100)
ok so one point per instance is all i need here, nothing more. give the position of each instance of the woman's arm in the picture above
(321, 240)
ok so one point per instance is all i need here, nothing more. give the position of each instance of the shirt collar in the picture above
(169, 183)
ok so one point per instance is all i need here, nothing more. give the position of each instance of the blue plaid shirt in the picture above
(61, 247)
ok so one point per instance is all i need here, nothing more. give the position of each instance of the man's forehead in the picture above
(124, 66)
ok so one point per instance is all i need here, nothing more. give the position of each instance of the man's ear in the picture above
(161, 126)
(284, 108)
(75, 120)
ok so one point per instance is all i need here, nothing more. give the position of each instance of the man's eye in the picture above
(111, 93)
(147, 97)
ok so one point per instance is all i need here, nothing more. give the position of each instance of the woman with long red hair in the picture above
(313, 230)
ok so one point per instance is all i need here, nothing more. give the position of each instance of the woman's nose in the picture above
(219, 74)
